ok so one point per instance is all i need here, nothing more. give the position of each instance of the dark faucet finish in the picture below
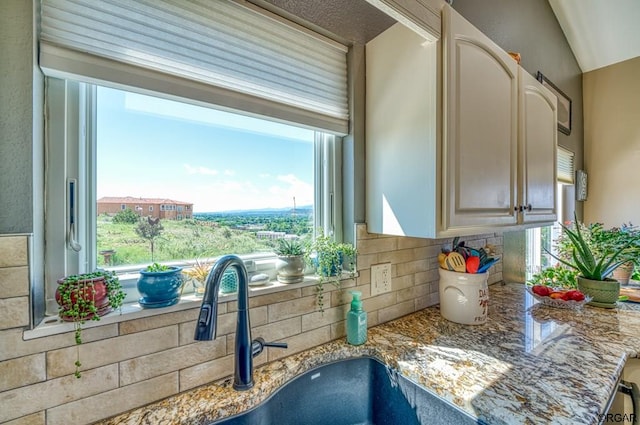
(245, 349)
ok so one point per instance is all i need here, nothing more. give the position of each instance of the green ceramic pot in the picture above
(604, 293)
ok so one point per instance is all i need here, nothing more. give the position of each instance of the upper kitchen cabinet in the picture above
(480, 136)
(447, 152)
(538, 149)
(434, 174)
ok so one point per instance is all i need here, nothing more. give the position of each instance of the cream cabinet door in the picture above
(538, 149)
(480, 102)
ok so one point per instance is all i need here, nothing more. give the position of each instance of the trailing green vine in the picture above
(330, 257)
(78, 295)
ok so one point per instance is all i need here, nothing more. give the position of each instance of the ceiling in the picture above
(600, 32)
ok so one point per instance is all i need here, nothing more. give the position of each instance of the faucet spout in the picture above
(207, 319)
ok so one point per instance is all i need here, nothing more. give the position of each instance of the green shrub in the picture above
(125, 216)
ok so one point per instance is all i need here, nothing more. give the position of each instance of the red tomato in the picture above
(541, 290)
(577, 296)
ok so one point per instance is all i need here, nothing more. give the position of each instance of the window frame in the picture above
(71, 154)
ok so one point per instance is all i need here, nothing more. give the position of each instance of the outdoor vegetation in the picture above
(136, 240)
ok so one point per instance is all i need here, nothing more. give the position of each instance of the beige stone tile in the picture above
(14, 312)
(402, 282)
(426, 301)
(301, 342)
(398, 256)
(22, 371)
(158, 321)
(14, 281)
(365, 261)
(361, 232)
(157, 364)
(364, 277)
(34, 398)
(13, 251)
(413, 292)
(110, 403)
(320, 319)
(372, 318)
(34, 419)
(297, 307)
(374, 246)
(395, 311)
(412, 267)
(339, 330)
(273, 298)
(278, 331)
(380, 301)
(226, 324)
(12, 345)
(206, 372)
(112, 350)
(409, 242)
(495, 278)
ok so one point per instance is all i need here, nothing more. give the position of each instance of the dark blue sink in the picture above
(355, 391)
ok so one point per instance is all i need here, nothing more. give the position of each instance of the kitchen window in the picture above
(236, 63)
(248, 170)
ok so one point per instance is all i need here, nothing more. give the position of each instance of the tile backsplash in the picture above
(136, 362)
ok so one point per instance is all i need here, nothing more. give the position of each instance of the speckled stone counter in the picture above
(529, 364)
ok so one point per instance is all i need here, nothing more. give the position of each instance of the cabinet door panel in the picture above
(538, 139)
(480, 130)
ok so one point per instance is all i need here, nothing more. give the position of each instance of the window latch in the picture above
(71, 234)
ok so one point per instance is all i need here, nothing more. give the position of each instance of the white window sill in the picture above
(52, 325)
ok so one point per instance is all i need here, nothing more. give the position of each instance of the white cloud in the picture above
(229, 172)
(200, 170)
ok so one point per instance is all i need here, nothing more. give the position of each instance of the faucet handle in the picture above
(258, 344)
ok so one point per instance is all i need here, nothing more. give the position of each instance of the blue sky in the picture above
(157, 148)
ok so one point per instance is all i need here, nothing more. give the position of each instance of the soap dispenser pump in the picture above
(356, 321)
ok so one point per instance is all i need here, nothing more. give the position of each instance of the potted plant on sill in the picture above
(603, 241)
(328, 259)
(198, 274)
(616, 237)
(291, 263)
(159, 285)
(594, 265)
(87, 296)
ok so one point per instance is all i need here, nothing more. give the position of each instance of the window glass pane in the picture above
(197, 182)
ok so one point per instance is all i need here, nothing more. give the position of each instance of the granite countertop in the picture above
(529, 364)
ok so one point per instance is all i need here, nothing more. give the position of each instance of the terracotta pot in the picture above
(623, 273)
(604, 293)
(87, 289)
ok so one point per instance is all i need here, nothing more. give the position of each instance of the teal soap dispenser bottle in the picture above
(356, 321)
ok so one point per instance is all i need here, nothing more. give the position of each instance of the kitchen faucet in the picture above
(245, 348)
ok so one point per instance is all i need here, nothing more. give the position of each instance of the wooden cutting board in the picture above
(632, 293)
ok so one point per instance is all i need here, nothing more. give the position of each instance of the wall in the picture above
(135, 362)
(612, 143)
(16, 117)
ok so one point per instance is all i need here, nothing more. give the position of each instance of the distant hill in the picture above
(307, 209)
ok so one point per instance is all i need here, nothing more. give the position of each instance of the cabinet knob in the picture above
(528, 207)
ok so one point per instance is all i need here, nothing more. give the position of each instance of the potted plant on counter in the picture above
(594, 264)
(328, 259)
(87, 296)
(291, 263)
(159, 285)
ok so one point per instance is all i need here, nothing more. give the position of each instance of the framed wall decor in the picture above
(564, 104)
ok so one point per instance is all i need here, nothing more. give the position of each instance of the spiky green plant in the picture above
(590, 263)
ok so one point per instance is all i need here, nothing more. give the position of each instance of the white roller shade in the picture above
(565, 166)
(242, 57)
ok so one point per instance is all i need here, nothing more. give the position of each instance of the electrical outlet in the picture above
(380, 279)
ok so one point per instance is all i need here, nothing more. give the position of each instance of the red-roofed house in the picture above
(166, 209)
